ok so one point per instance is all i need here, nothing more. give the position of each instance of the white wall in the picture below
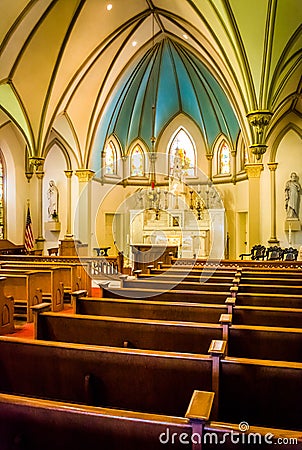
(18, 189)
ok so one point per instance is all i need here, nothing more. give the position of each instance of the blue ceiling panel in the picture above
(173, 79)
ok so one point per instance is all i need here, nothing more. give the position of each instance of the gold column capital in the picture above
(209, 156)
(37, 162)
(259, 118)
(40, 174)
(68, 173)
(253, 170)
(272, 166)
(84, 175)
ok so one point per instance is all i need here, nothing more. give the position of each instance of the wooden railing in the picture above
(95, 266)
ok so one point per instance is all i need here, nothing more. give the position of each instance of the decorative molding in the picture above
(272, 166)
(259, 119)
(37, 162)
(40, 175)
(253, 170)
(258, 150)
(68, 173)
(84, 175)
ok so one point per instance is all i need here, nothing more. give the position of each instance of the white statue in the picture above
(292, 196)
(53, 200)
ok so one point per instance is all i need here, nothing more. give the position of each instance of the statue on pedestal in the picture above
(292, 196)
(53, 201)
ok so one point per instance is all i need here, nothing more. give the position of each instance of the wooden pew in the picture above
(50, 424)
(181, 311)
(267, 316)
(187, 337)
(277, 343)
(137, 380)
(25, 288)
(184, 285)
(270, 288)
(49, 281)
(180, 295)
(193, 272)
(6, 310)
(147, 381)
(178, 277)
(275, 300)
(143, 309)
(267, 387)
(273, 343)
(264, 278)
(72, 275)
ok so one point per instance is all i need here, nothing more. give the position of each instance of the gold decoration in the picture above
(253, 170)
(84, 175)
(272, 166)
(258, 150)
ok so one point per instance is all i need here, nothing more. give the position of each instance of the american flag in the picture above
(29, 237)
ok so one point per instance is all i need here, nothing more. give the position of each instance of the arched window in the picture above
(182, 150)
(224, 159)
(137, 162)
(2, 230)
(110, 159)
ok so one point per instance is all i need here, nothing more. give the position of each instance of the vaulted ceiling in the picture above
(61, 60)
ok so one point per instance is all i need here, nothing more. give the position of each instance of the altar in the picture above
(192, 220)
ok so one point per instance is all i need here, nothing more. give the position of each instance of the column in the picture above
(233, 165)
(272, 167)
(84, 206)
(38, 163)
(253, 172)
(68, 234)
(209, 157)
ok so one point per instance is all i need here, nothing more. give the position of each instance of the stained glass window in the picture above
(182, 153)
(224, 159)
(137, 162)
(110, 159)
(1, 198)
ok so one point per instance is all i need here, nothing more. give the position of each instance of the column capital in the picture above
(209, 156)
(84, 175)
(253, 170)
(37, 162)
(259, 118)
(40, 174)
(272, 166)
(68, 173)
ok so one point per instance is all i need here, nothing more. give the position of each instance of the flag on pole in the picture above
(29, 237)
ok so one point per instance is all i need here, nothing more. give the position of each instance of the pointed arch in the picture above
(289, 127)
(182, 145)
(110, 159)
(137, 161)
(222, 156)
